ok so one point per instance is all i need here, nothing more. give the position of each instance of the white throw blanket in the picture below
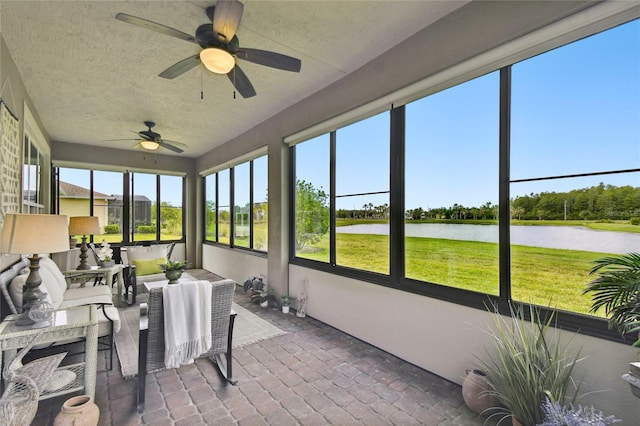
(187, 321)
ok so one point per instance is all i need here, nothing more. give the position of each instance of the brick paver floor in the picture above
(313, 375)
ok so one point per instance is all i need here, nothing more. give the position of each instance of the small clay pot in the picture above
(78, 411)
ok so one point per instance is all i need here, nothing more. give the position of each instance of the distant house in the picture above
(74, 201)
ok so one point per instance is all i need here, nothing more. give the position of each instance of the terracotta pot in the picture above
(475, 391)
(78, 411)
(515, 421)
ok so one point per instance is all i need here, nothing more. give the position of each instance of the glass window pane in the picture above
(143, 210)
(362, 184)
(260, 203)
(171, 207)
(451, 180)
(312, 199)
(242, 208)
(575, 111)
(224, 209)
(107, 205)
(73, 192)
(210, 219)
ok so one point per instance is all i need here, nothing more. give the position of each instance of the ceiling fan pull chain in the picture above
(201, 87)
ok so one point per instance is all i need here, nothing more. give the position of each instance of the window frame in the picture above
(215, 174)
(127, 195)
(573, 321)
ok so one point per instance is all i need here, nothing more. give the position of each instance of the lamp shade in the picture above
(83, 225)
(34, 233)
(217, 60)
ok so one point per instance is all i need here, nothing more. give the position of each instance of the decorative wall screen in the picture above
(10, 163)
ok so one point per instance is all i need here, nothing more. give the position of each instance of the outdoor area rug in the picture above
(248, 328)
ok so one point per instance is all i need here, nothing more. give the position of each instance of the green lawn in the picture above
(542, 276)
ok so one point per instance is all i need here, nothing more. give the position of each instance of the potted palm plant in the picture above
(526, 364)
(616, 288)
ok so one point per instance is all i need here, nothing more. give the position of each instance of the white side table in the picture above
(67, 324)
(106, 271)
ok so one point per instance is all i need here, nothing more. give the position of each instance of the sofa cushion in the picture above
(149, 267)
(147, 253)
(16, 287)
(53, 280)
(86, 295)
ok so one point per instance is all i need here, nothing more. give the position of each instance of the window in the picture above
(242, 205)
(243, 186)
(171, 221)
(211, 208)
(260, 204)
(107, 204)
(32, 199)
(451, 186)
(312, 199)
(362, 191)
(125, 203)
(224, 206)
(575, 155)
(507, 186)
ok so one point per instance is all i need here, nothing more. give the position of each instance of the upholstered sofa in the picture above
(61, 296)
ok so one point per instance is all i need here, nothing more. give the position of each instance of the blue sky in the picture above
(574, 110)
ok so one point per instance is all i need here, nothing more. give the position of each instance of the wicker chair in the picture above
(24, 384)
(151, 338)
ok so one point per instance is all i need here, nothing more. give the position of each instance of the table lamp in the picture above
(83, 225)
(33, 234)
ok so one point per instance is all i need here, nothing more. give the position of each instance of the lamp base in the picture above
(31, 294)
(83, 266)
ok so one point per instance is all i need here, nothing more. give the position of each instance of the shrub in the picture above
(635, 220)
(146, 229)
(112, 228)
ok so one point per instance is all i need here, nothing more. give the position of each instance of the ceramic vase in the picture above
(173, 275)
(78, 411)
(475, 391)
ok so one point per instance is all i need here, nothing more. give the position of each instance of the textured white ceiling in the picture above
(93, 78)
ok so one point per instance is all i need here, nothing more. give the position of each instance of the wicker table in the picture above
(67, 324)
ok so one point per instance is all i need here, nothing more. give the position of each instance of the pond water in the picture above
(560, 237)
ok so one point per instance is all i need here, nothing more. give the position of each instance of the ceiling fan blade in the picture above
(174, 143)
(181, 67)
(154, 26)
(241, 82)
(270, 59)
(170, 147)
(226, 19)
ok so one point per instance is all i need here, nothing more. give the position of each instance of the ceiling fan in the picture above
(220, 46)
(150, 140)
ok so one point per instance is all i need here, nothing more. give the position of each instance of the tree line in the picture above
(600, 202)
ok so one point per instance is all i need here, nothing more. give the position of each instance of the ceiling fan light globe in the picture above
(217, 60)
(150, 145)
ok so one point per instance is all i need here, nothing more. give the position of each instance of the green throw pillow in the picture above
(149, 267)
